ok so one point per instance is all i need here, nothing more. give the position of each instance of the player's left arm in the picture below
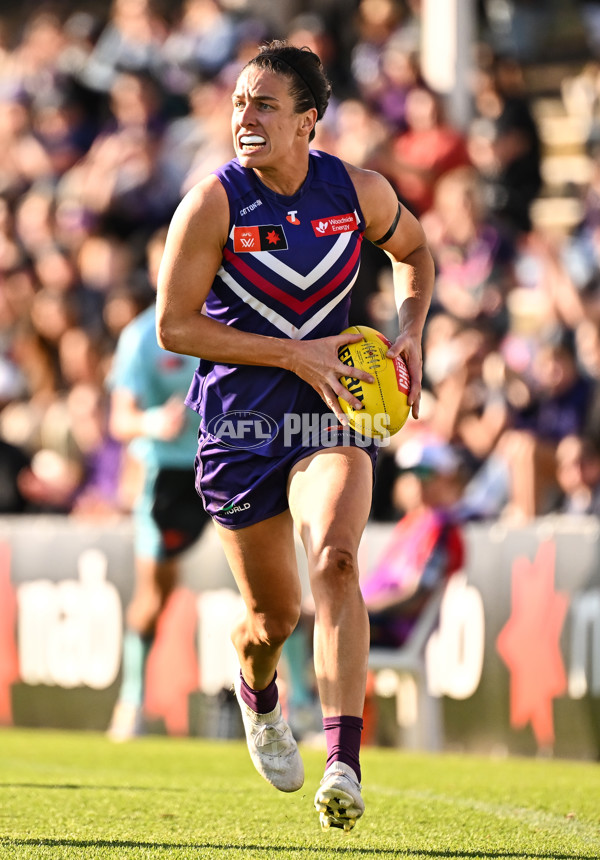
(412, 266)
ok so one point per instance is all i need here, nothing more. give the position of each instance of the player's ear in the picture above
(308, 122)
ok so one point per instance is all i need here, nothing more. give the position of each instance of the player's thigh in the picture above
(148, 542)
(177, 510)
(155, 566)
(329, 495)
(262, 558)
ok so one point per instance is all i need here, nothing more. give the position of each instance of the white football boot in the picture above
(338, 799)
(272, 747)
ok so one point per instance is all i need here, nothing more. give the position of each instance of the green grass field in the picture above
(76, 795)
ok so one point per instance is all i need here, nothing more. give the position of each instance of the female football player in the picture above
(256, 280)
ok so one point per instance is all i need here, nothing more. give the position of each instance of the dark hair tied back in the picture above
(309, 85)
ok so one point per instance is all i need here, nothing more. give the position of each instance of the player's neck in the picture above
(284, 179)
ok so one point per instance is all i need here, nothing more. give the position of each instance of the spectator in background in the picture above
(131, 39)
(60, 124)
(400, 73)
(101, 493)
(34, 219)
(517, 27)
(196, 143)
(425, 151)
(574, 262)
(504, 143)
(560, 397)
(148, 414)
(519, 476)
(123, 303)
(474, 258)
(106, 262)
(310, 30)
(462, 370)
(61, 427)
(425, 548)
(560, 405)
(356, 132)
(37, 362)
(59, 281)
(17, 289)
(185, 135)
(200, 44)
(24, 159)
(376, 22)
(81, 30)
(43, 67)
(119, 178)
(33, 67)
(578, 475)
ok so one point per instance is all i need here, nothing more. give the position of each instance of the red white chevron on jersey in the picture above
(294, 303)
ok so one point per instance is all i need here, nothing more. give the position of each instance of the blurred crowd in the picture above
(108, 117)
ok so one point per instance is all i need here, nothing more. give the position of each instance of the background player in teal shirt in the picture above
(148, 386)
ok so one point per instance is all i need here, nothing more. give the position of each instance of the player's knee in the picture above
(335, 567)
(274, 630)
(273, 634)
(142, 614)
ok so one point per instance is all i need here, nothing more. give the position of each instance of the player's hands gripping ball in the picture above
(384, 401)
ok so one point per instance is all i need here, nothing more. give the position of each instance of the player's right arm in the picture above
(192, 257)
(128, 421)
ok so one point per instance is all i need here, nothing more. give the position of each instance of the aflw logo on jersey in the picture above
(335, 224)
(265, 237)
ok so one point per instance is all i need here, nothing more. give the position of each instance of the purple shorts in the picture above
(240, 487)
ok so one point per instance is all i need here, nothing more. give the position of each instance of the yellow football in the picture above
(384, 402)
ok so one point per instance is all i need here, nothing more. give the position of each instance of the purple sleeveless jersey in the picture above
(288, 270)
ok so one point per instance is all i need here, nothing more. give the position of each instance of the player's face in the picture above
(266, 130)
